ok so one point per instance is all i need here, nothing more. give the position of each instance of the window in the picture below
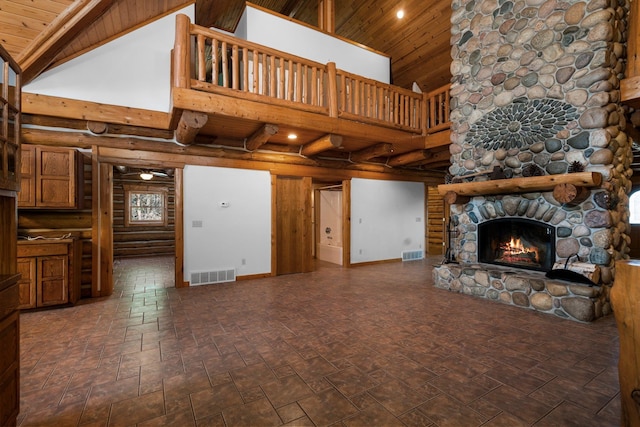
(634, 208)
(145, 205)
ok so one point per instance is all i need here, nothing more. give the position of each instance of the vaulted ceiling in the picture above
(41, 34)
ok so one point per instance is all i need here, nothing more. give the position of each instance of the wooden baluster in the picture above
(424, 111)
(298, 82)
(396, 106)
(290, 81)
(305, 84)
(321, 94)
(380, 114)
(432, 112)
(225, 65)
(314, 86)
(282, 82)
(273, 82)
(202, 64)
(214, 62)
(235, 67)
(245, 69)
(256, 71)
(265, 75)
(332, 78)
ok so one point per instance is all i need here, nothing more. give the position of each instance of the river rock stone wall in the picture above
(535, 91)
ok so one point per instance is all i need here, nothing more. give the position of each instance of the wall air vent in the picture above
(211, 277)
(412, 255)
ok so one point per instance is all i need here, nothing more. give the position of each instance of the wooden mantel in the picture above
(521, 185)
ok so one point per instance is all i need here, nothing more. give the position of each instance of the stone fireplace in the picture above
(535, 96)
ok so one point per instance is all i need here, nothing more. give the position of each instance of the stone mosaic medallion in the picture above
(521, 124)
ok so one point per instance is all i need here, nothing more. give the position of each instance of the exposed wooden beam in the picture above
(67, 108)
(383, 149)
(44, 48)
(97, 127)
(189, 125)
(410, 157)
(261, 136)
(327, 142)
(438, 139)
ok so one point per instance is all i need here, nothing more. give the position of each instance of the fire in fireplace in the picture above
(517, 242)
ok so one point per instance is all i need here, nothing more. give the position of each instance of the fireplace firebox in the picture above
(517, 242)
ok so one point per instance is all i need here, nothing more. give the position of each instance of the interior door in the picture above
(293, 225)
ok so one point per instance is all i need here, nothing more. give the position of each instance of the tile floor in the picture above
(366, 346)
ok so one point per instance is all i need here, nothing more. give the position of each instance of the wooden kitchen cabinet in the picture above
(49, 177)
(50, 272)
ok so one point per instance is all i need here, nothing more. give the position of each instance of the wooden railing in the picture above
(211, 61)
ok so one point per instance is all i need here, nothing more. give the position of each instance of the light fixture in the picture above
(292, 136)
(400, 14)
(146, 176)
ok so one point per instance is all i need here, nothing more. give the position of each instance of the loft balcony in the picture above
(238, 95)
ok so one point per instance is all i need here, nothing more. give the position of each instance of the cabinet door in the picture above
(55, 177)
(27, 284)
(53, 276)
(27, 195)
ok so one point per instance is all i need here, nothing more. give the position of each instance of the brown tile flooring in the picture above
(366, 346)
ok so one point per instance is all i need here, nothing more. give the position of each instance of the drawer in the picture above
(44, 248)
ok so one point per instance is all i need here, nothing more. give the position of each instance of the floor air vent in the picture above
(412, 255)
(210, 277)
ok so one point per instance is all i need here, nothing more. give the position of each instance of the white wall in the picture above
(387, 217)
(284, 35)
(229, 235)
(331, 218)
(133, 70)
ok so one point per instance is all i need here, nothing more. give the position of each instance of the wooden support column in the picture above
(327, 16)
(325, 143)
(179, 228)
(189, 125)
(625, 300)
(377, 150)
(410, 157)
(261, 136)
(102, 227)
(181, 52)
(332, 82)
(630, 85)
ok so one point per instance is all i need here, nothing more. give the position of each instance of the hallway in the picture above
(367, 346)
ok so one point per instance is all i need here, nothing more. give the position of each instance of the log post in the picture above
(625, 300)
(570, 194)
(181, 50)
(189, 125)
(261, 136)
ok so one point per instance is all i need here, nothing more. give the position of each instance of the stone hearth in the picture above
(526, 289)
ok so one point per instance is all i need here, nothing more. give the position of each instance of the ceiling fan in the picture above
(145, 174)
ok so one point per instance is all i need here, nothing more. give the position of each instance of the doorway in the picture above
(328, 209)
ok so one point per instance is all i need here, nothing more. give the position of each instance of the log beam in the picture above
(410, 157)
(377, 150)
(189, 125)
(261, 136)
(327, 142)
(522, 184)
(97, 127)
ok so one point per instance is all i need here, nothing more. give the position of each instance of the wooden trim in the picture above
(253, 276)
(383, 261)
(105, 240)
(274, 225)
(346, 223)
(67, 108)
(95, 224)
(521, 185)
(178, 219)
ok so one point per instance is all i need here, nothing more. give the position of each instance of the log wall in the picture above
(136, 241)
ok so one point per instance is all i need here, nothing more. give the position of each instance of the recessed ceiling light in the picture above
(400, 14)
(292, 136)
(146, 175)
